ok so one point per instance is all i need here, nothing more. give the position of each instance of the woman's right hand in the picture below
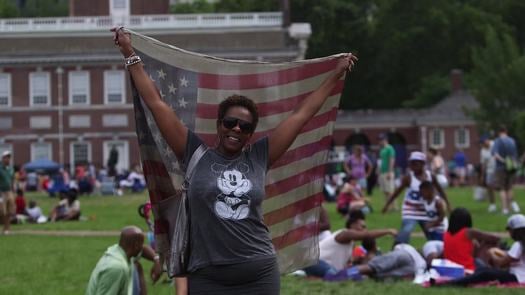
(122, 39)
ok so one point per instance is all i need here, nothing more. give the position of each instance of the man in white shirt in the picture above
(336, 250)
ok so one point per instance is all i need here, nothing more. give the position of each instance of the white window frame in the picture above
(31, 88)
(49, 150)
(466, 144)
(122, 86)
(72, 154)
(431, 142)
(8, 88)
(119, 12)
(86, 80)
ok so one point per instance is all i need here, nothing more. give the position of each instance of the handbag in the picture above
(176, 211)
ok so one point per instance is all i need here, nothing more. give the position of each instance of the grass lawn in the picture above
(62, 265)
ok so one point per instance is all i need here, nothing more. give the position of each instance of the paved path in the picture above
(66, 233)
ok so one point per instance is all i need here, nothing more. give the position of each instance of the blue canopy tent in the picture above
(42, 165)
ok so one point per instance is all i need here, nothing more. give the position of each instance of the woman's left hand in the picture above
(346, 63)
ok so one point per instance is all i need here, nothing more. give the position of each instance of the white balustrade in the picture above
(167, 21)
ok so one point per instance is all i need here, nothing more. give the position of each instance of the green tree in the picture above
(498, 81)
(8, 9)
(45, 8)
(198, 6)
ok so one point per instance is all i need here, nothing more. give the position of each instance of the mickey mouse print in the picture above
(233, 201)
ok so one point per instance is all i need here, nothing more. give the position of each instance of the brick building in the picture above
(64, 93)
(444, 126)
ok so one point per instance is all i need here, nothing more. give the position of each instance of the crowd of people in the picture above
(482, 255)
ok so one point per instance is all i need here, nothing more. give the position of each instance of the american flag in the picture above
(193, 85)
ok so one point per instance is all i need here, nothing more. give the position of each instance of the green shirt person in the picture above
(6, 173)
(113, 274)
(387, 154)
(7, 200)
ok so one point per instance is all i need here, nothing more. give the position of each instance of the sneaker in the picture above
(515, 207)
(505, 211)
(492, 208)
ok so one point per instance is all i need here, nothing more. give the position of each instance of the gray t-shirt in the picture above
(505, 146)
(225, 197)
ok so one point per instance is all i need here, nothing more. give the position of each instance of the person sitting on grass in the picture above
(436, 210)
(119, 271)
(68, 208)
(508, 267)
(34, 213)
(351, 197)
(404, 261)
(336, 250)
(462, 243)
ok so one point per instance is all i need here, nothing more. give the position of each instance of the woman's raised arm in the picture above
(171, 127)
(283, 136)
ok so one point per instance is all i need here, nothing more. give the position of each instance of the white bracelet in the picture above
(156, 257)
(132, 60)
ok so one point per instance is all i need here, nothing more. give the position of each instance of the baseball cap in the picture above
(516, 221)
(6, 153)
(417, 156)
(382, 136)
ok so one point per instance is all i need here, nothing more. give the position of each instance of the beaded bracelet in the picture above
(132, 60)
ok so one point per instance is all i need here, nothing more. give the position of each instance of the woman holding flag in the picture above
(231, 249)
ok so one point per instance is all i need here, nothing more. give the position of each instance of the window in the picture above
(79, 121)
(80, 153)
(114, 87)
(79, 92)
(6, 123)
(437, 138)
(119, 8)
(119, 4)
(115, 120)
(462, 137)
(5, 89)
(40, 122)
(41, 151)
(39, 89)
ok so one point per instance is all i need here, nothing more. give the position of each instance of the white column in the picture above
(60, 91)
(424, 138)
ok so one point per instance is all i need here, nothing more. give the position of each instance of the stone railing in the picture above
(141, 22)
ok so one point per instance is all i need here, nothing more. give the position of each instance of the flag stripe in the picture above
(291, 210)
(209, 111)
(267, 123)
(263, 80)
(283, 173)
(304, 232)
(281, 228)
(303, 152)
(283, 186)
(299, 193)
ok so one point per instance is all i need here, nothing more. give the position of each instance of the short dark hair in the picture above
(502, 128)
(369, 244)
(518, 235)
(459, 218)
(426, 185)
(433, 151)
(241, 101)
(354, 216)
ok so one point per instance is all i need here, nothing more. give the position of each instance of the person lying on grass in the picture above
(507, 267)
(336, 250)
(404, 261)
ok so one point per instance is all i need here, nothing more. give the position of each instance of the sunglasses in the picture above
(230, 123)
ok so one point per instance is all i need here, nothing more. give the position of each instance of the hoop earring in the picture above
(217, 141)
